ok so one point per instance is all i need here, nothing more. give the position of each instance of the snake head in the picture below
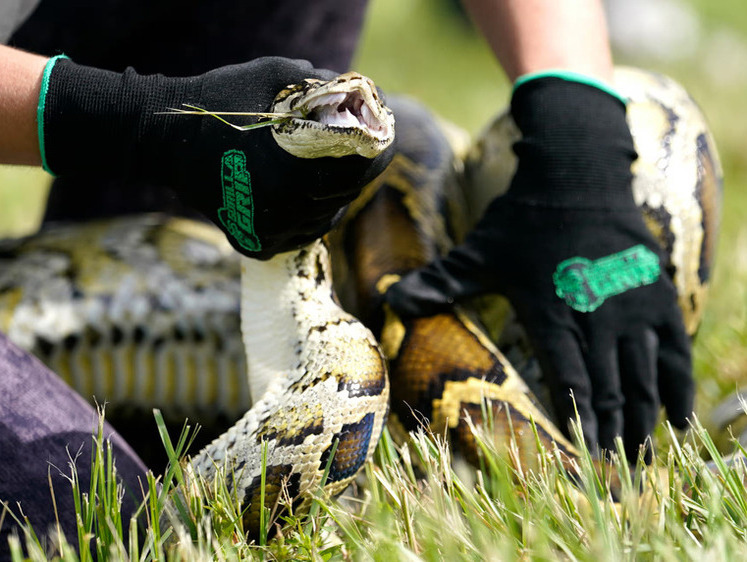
(340, 117)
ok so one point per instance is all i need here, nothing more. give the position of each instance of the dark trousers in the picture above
(44, 427)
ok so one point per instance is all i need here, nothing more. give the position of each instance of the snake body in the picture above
(324, 386)
(138, 311)
(318, 378)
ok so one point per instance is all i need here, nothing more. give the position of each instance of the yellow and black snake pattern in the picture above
(146, 310)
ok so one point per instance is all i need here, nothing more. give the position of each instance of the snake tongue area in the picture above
(342, 117)
(346, 110)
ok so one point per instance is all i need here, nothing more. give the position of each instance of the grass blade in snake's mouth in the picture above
(348, 105)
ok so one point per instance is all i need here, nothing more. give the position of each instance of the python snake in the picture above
(317, 377)
(145, 309)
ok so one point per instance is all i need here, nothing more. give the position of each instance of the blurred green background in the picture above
(428, 49)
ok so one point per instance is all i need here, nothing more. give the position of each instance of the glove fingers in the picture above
(307, 232)
(478, 266)
(560, 357)
(322, 73)
(676, 384)
(607, 396)
(327, 172)
(319, 226)
(437, 286)
(317, 212)
(638, 376)
(331, 205)
(358, 170)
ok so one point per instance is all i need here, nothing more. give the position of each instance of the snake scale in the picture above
(145, 309)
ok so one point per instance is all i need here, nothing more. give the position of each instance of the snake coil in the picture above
(145, 309)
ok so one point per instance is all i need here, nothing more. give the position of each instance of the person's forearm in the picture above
(534, 35)
(20, 80)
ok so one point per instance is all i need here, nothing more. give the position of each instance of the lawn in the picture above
(427, 50)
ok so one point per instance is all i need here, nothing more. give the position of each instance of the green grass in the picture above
(22, 193)
(414, 505)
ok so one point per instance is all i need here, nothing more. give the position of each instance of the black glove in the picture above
(569, 248)
(264, 199)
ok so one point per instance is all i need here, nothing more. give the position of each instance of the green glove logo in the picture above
(237, 212)
(584, 284)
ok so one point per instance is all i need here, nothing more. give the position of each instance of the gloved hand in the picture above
(264, 199)
(569, 248)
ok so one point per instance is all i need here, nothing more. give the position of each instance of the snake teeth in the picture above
(347, 110)
(337, 118)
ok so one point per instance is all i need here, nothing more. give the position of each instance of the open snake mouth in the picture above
(348, 106)
(346, 110)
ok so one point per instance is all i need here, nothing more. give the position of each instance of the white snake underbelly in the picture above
(144, 309)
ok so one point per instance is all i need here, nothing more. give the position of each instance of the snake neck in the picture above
(318, 380)
(283, 299)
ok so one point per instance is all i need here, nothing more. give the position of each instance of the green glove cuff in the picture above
(40, 109)
(571, 77)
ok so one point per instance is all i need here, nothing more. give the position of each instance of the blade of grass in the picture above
(263, 516)
(277, 117)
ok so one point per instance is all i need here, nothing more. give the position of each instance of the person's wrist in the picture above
(576, 147)
(570, 76)
(41, 108)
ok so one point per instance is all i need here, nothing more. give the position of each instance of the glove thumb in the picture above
(439, 285)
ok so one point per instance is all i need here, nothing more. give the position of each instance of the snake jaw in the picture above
(346, 110)
(337, 118)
